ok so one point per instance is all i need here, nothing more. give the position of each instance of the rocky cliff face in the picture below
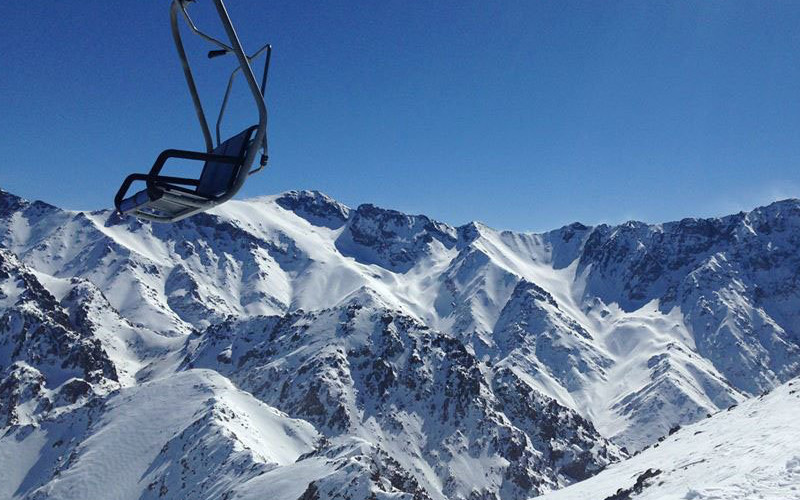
(366, 370)
(294, 346)
(49, 358)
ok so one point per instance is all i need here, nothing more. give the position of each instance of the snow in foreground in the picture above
(191, 432)
(751, 451)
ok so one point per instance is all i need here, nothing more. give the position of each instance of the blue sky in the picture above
(523, 114)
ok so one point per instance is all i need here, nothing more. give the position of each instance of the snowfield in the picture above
(751, 451)
(293, 347)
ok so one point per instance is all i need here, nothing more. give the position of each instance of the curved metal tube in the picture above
(197, 31)
(261, 132)
(244, 65)
(187, 73)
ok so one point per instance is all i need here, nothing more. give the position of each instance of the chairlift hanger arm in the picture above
(235, 47)
(247, 70)
(187, 70)
(265, 148)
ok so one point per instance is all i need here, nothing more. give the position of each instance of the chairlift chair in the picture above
(226, 165)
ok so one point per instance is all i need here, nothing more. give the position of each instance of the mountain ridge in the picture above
(556, 351)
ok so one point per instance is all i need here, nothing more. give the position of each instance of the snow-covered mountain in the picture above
(294, 347)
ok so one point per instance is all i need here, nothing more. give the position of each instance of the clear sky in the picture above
(523, 114)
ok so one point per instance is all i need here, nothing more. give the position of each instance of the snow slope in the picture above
(751, 451)
(191, 435)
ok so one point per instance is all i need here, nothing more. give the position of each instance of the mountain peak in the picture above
(392, 239)
(317, 208)
(10, 202)
(789, 207)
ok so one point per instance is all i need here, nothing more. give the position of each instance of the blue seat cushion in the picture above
(217, 177)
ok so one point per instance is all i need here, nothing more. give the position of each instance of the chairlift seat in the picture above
(226, 167)
(168, 199)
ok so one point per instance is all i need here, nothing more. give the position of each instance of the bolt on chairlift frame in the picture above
(166, 200)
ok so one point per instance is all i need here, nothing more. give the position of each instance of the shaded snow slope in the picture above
(751, 451)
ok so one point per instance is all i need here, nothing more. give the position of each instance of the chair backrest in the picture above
(217, 177)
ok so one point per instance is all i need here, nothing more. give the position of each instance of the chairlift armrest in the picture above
(170, 181)
(126, 184)
(174, 187)
(167, 179)
(189, 155)
(151, 180)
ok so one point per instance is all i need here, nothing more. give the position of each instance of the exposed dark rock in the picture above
(315, 207)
